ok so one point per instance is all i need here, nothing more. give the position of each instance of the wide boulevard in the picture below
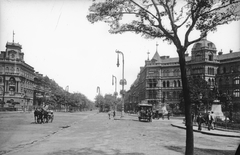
(92, 133)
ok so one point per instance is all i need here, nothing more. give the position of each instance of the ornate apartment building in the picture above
(160, 79)
(18, 81)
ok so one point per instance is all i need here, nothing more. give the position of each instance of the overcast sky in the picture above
(58, 41)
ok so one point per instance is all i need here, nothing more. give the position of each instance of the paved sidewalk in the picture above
(178, 122)
(215, 132)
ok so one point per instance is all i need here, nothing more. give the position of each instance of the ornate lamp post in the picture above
(123, 81)
(115, 93)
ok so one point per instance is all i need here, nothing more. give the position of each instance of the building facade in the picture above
(159, 81)
(18, 80)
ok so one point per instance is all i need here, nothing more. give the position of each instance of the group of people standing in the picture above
(208, 119)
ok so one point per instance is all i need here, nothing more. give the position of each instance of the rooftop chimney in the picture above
(220, 53)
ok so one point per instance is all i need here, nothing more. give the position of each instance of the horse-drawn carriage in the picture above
(43, 116)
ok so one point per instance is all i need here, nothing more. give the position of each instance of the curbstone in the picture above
(236, 135)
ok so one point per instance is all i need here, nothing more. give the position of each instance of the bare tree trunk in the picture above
(189, 128)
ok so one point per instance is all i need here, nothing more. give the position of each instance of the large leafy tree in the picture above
(198, 87)
(165, 19)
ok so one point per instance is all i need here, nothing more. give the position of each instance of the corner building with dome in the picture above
(160, 79)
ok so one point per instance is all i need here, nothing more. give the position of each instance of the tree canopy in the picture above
(57, 96)
(165, 18)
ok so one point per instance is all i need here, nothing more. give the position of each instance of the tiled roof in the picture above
(229, 56)
(174, 60)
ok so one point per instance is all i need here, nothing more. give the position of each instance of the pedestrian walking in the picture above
(114, 113)
(209, 120)
(109, 114)
(200, 120)
(168, 115)
(213, 120)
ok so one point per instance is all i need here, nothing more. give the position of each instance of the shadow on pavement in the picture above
(201, 151)
(122, 119)
(89, 151)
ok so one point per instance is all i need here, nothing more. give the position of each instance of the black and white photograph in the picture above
(119, 77)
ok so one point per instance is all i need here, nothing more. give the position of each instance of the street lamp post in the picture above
(98, 91)
(115, 93)
(200, 101)
(123, 81)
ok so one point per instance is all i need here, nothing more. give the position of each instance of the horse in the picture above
(50, 115)
(38, 117)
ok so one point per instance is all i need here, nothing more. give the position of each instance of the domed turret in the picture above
(204, 50)
(204, 44)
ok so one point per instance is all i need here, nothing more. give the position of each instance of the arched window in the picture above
(174, 83)
(236, 93)
(168, 84)
(164, 84)
(213, 81)
(12, 81)
(236, 80)
(209, 81)
(179, 83)
(210, 57)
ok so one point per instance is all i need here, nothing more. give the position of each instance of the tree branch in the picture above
(144, 9)
(218, 8)
(194, 15)
(160, 23)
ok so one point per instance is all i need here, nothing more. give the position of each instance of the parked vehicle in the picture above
(145, 112)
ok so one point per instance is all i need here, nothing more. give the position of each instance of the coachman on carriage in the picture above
(42, 115)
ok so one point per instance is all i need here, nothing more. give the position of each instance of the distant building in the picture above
(18, 80)
(160, 79)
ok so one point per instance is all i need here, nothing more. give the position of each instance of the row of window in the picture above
(226, 80)
(175, 83)
(228, 69)
(16, 70)
(171, 95)
(12, 81)
(175, 94)
(176, 72)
